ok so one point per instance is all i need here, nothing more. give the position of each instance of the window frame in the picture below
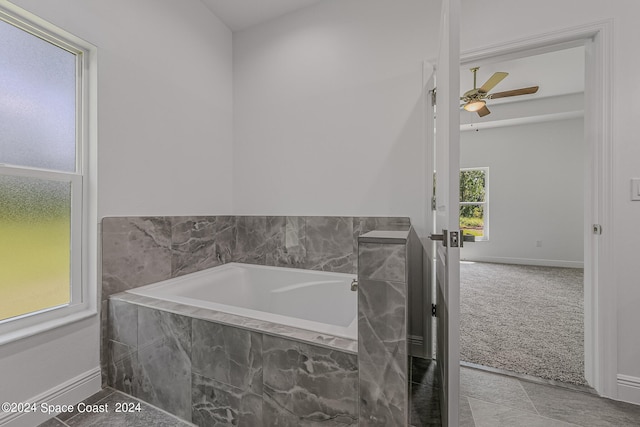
(83, 223)
(485, 204)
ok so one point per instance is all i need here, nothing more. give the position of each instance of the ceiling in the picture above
(557, 73)
(241, 14)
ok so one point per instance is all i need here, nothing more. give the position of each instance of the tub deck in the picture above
(347, 345)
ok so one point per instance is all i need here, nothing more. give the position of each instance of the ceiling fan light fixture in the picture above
(474, 106)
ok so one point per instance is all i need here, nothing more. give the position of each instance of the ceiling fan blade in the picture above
(515, 92)
(484, 111)
(493, 81)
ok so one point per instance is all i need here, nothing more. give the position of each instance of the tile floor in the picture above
(148, 416)
(492, 400)
(486, 400)
(424, 390)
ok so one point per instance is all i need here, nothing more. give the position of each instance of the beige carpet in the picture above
(525, 319)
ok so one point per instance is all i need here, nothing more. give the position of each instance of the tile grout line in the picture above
(473, 417)
(175, 417)
(520, 410)
(95, 403)
(535, 408)
(60, 421)
(510, 403)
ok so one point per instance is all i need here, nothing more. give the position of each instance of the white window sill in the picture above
(16, 330)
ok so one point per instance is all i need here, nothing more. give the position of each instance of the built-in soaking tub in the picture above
(235, 344)
(313, 300)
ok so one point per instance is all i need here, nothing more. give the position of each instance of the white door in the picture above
(446, 163)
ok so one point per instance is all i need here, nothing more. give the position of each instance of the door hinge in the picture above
(597, 229)
(434, 310)
(433, 93)
(440, 237)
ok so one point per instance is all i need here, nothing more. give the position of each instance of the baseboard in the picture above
(416, 345)
(629, 389)
(527, 261)
(68, 393)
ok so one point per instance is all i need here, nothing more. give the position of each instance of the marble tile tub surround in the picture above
(137, 251)
(211, 374)
(382, 328)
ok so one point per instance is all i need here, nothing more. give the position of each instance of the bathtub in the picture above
(313, 300)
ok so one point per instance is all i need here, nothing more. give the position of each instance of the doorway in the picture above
(525, 274)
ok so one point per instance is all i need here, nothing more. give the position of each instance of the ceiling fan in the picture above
(475, 99)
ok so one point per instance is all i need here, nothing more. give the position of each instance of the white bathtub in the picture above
(317, 301)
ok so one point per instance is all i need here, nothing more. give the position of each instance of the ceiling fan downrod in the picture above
(474, 70)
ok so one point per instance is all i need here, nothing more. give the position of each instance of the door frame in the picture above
(600, 292)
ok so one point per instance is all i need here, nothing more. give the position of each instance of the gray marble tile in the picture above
(464, 413)
(104, 342)
(494, 388)
(419, 295)
(118, 351)
(488, 414)
(123, 322)
(135, 251)
(259, 238)
(159, 326)
(305, 384)
(274, 414)
(424, 388)
(52, 422)
(125, 374)
(295, 251)
(93, 399)
(383, 387)
(218, 404)
(382, 312)
(250, 235)
(328, 262)
(164, 361)
(387, 237)
(201, 242)
(382, 262)
(424, 405)
(228, 354)
(275, 246)
(424, 371)
(362, 225)
(329, 244)
(145, 417)
(314, 338)
(581, 408)
(382, 353)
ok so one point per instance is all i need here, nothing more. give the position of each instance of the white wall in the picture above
(507, 24)
(327, 109)
(536, 175)
(165, 102)
(326, 119)
(165, 142)
(325, 115)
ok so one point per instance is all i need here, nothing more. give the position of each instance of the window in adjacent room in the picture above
(474, 202)
(43, 172)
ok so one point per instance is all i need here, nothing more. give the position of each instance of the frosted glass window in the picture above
(35, 229)
(47, 208)
(37, 102)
